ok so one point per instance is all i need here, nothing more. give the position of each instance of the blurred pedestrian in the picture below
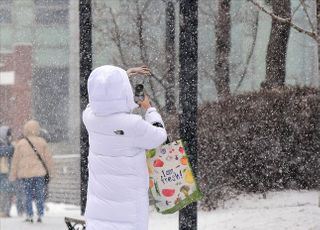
(20, 197)
(31, 163)
(118, 176)
(6, 187)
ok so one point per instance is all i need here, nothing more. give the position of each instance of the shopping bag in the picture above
(4, 165)
(171, 180)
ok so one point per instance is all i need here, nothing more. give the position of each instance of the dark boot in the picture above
(29, 220)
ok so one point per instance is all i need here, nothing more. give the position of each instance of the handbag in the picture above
(4, 165)
(46, 177)
(171, 179)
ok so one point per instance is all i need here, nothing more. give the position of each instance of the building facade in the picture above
(46, 85)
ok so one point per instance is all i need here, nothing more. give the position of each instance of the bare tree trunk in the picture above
(170, 58)
(140, 27)
(223, 45)
(277, 47)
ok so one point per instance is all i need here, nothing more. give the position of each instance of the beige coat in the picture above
(25, 163)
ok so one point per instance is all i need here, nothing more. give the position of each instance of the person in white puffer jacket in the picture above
(117, 197)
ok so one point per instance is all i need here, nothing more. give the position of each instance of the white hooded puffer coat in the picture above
(117, 196)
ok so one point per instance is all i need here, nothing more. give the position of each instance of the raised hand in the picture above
(145, 104)
(142, 70)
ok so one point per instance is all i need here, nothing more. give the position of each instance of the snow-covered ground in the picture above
(280, 210)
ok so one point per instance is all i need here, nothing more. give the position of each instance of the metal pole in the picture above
(85, 25)
(318, 45)
(188, 81)
(318, 33)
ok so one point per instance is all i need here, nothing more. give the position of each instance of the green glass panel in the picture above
(52, 37)
(52, 57)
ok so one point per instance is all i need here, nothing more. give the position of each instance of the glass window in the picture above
(52, 12)
(5, 11)
(5, 16)
(50, 85)
(51, 2)
(52, 16)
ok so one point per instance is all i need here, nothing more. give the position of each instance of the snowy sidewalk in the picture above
(290, 210)
(53, 219)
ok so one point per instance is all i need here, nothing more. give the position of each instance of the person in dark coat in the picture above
(6, 187)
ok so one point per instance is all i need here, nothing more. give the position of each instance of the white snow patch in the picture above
(294, 210)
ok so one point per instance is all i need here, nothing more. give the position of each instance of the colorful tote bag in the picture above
(171, 180)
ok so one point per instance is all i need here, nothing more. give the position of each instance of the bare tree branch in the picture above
(311, 34)
(296, 9)
(255, 33)
(153, 91)
(302, 2)
(145, 7)
(117, 38)
(139, 25)
(135, 45)
(159, 80)
(208, 10)
(142, 50)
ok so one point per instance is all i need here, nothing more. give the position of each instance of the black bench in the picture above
(75, 224)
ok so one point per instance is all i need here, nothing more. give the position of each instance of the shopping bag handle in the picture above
(158, 124)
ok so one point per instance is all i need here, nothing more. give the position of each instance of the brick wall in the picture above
(15, 99)
(65, 185)
(16, 109)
